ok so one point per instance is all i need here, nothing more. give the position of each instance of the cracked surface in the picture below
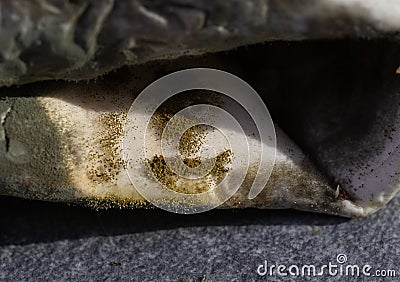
(33, 153)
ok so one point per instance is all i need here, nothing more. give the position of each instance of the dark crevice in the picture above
(7, 140)
(3, 124)
(332, 98)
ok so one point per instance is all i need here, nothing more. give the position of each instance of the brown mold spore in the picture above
(112, 202)
(108, 160)
(191, 138)
(159, 169)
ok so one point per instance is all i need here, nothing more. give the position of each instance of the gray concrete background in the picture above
(53, 242)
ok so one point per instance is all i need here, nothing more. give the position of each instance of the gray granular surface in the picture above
(72, 40)
(54, 242)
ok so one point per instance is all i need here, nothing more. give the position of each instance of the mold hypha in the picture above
(332, 95)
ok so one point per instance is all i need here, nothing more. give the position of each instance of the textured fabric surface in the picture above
(75, 40)
(54, 242)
